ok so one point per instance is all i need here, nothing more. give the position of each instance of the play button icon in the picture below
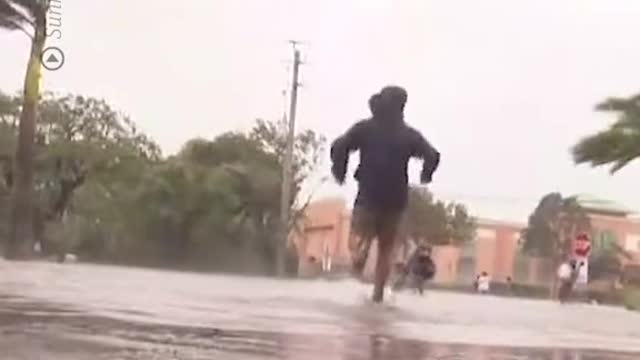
(52, 58)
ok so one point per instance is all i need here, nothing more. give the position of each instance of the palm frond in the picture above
(620, 143)
(22, 14)
(20, 11)
(611, 146)
(620, 104)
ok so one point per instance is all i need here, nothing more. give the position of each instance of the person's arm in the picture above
(421, 148)
(342, 147)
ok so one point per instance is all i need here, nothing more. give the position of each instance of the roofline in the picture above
(597, 210)
(610, 217)
(492, 222)
(591, 202)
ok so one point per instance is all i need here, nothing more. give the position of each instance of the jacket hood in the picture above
(388, 117)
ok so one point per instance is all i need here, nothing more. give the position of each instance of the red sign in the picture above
(582, 245)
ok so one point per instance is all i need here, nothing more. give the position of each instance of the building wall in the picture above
(323, 238)
(326, 233)
(485, 257)
(506, 251)
(627, 233)
(495, 248)
(446, 259)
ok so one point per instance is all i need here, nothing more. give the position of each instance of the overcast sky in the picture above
(502, 88)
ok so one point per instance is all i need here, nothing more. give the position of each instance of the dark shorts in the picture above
(368, 224)
(424, 269)
(565, 289)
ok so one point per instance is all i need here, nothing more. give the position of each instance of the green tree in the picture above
(77, 138)
(425, 220)
(80, 137)
(106, 217)
(104, 191)
(28, 16)
(606, 260)
(437, 222)
(552, 226)
(620, 143)
(7, 151)
(462, 226)
(308, 146)
(214, 205)
(256, 161)
(307, 151)
(608, 263)
(251, 183)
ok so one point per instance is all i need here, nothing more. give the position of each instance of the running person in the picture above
(419, 269)
(422, 268)
(386, 143)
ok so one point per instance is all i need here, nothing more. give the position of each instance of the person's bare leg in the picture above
(420, 286)
(360, 238)
(359, 254)
(383, 266)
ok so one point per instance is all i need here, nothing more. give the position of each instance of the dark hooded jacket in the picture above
(421, 265)
(386, 143)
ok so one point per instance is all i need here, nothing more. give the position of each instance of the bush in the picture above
(631, 297)
(530, 291)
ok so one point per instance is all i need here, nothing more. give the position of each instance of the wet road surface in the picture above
(77, 311)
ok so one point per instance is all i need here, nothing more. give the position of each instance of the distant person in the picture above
(419, 269)
(566, 277)
(509, 283)
(422, 268)
(386, 143)
(484, 283)
(579, 289)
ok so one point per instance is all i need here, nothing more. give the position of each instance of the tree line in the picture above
(77, 174)
(103, 190)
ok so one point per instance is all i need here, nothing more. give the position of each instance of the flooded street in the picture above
(77, 311)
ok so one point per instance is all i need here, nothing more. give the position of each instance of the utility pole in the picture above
(287, 167)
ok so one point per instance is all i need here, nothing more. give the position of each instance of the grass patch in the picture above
(631, 297)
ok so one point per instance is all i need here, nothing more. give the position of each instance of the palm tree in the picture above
(436, 222)
(552, 226)
(620, 143)
(608, 263)
(28, 16)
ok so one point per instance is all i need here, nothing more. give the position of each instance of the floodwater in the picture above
(78, 311)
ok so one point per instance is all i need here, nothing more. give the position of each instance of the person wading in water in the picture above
(419, 269)
(386, 143)
(567, 274)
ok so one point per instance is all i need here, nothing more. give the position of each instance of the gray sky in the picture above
(503, 88)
